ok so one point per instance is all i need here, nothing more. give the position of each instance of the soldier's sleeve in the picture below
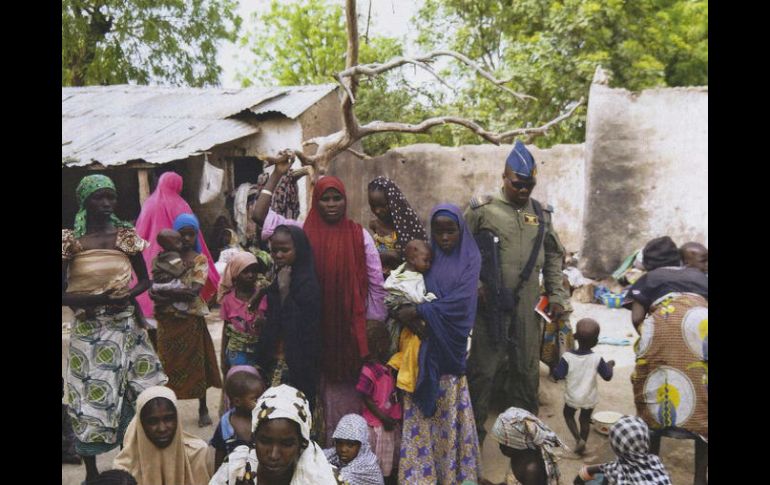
(553, 278)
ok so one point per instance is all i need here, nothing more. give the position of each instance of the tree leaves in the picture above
(551, 50)
(164, 41)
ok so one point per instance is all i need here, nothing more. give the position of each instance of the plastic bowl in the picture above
(613, 300)
(603, 420)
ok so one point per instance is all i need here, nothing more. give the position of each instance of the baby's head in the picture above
(170, 240)
(695, 255)
(587, 333)
(243, 389)
(390, 261)
(378, 339)
(418, 255)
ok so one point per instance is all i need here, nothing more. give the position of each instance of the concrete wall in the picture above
(647, 171)
(429, 174)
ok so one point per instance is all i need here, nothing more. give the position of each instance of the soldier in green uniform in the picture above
(510, 340)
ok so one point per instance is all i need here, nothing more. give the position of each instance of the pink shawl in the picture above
(158, 212)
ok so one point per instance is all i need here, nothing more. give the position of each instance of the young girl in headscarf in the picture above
(630, 440)
(395, 222)
(289, 347)
(281, 418)
(156, 450)
(184, 342)
(351, 453)
(439, 439)
(243, 309)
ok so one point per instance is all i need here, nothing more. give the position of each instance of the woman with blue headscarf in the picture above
(439, 440)
(184, 342)
(110, 358)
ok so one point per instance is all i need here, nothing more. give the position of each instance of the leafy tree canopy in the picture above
(304, 42)
(551, 48)
(122, 41)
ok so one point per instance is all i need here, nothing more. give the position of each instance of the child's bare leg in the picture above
(655, 437)
(203, 413)
(585, 423)
(569, 417)
(91, 471)
(701, 462)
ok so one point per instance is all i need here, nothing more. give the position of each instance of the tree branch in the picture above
(362, 156)
(333, 144)
(422, 62)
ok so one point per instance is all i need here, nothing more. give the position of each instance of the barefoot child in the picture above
(243, 389)
(580, 367)
(383, 412)
(242, 309)
(406, 285)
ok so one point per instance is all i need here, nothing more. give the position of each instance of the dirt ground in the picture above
(616, 395)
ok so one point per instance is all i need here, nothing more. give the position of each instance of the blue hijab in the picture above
(189, 220)
(453, 278)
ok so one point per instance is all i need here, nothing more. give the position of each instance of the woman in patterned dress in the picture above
(669, 309)
(439, 442)
(110, 359)
(184, 342)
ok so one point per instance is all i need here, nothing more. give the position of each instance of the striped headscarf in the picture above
(87, 186)
(630, 440)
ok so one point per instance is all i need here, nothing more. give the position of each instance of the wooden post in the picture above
(144, 184)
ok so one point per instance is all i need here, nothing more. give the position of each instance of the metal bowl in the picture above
(603, 420)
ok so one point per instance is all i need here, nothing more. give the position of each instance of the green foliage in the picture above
(548, 48)
(304, 42)
(121, 41)
(551, 49)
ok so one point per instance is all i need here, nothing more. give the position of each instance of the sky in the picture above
(389, 18)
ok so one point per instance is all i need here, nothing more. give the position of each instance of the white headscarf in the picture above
(281, 402)
(363, 469)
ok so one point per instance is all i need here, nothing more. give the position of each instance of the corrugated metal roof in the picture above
(113, 125)
(295, 103)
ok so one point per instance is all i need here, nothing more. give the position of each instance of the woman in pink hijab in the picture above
(158, 212)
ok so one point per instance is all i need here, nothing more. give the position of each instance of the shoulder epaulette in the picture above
(480, 200)
(544, 206)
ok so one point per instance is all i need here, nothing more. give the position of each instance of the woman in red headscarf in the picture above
(350, 275)
(158, 212)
